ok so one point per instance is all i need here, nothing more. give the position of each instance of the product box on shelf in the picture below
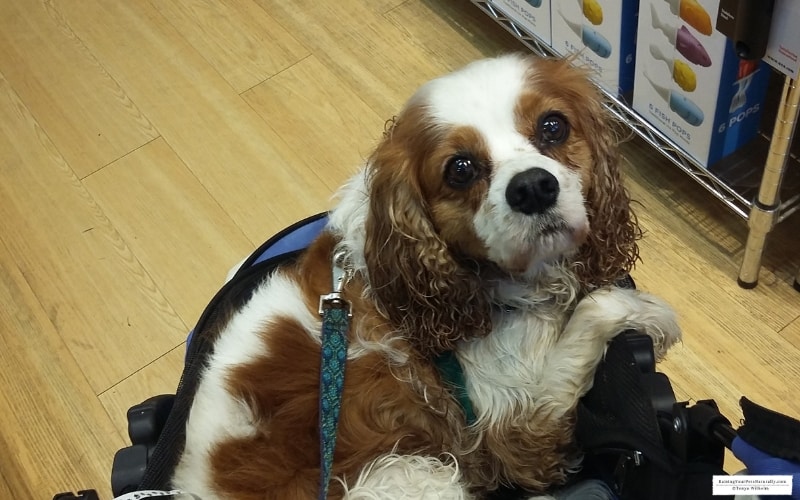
(603, 35)
(532, 15)
(689, 82)
(783, 49)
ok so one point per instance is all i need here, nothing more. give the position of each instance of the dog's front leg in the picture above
(570, 366)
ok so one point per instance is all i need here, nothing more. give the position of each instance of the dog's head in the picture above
(509, 162)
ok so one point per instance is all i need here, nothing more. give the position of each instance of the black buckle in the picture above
(628, 459)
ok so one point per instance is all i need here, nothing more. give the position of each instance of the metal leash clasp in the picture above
(340, 275)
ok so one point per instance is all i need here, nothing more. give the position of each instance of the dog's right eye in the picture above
(460, 172)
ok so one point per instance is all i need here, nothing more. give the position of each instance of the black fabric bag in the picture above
(642, 442)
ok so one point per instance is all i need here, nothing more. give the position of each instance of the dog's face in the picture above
(510, 161)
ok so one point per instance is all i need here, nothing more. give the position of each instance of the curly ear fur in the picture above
(611, 250)
(418, 282)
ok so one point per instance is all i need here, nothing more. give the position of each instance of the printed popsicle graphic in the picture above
(693, 13)
(593, 11)
(679, 103)
(689, 46)
(683, 75)
(590, 37)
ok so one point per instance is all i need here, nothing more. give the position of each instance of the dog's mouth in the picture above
(554, 225)
(544, 243)
(530, 240)
(553, 229)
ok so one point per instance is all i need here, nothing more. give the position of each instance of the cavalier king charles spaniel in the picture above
(490, 224)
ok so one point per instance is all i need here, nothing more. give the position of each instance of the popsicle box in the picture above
(690, 84)
(602, 34)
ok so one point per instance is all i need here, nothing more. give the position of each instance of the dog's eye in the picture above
(460, 172)
(553, 129)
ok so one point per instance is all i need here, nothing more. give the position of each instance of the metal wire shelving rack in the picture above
(761, 207)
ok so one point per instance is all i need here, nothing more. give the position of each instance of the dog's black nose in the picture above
(532, 191)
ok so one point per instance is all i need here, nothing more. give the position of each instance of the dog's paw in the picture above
(660, 322)
(652, 316)
(641, 311)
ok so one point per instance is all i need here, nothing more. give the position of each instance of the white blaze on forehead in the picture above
(482, 95)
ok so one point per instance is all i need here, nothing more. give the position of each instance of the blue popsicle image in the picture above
(595, 41)
(679, 103)
(590, 37)
(685, 108)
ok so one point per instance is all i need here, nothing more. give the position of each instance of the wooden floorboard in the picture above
(238, 38)
(374, 58)
(308, 101)
(178, 232)
(147, 146)
(225, 144)
(5, 489)
(792, 333)
(55, 433)
(87, 115)
(92, 287)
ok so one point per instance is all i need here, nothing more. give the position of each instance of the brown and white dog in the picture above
(491, 222)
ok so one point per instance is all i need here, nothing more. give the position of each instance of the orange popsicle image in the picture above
(693, 14)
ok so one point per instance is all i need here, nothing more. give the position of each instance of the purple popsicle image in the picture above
(691, 48)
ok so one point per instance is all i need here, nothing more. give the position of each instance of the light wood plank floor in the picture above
(146, 146)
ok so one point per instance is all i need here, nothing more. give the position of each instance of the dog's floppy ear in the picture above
(611, 249)
(416, 280)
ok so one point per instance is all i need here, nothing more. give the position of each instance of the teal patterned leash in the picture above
(336, 314)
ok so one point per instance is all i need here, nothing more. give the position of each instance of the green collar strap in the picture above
(453, 376)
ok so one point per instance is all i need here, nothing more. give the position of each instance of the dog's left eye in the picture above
(553, 129)
(460, 172)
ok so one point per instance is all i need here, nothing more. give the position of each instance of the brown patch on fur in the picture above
(528, 450)
(611, 249)
(423, 281)
(281, 389)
